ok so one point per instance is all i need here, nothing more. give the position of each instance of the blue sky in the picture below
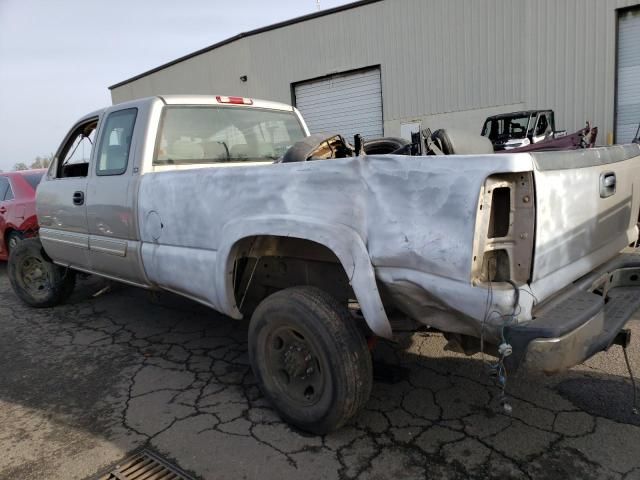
(57, 58)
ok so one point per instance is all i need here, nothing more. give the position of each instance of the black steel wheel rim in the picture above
(292, 361)
(34, 276)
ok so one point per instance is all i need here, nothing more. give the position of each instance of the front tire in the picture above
(309, 358)
(13, 239)
(35, 278)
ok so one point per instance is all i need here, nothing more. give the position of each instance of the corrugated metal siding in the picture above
(432, 61)
(345, 104)
(628, 101)
(437, 57)
(571, 60)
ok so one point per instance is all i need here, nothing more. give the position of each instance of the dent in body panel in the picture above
(454, 306)
(407, 223)
(414, 213)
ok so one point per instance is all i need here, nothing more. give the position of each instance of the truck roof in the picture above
(199, 100)
(223, 100)
(520, 113)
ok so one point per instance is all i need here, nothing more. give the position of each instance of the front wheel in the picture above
(13, 239)
(35, 278)
(309, 358)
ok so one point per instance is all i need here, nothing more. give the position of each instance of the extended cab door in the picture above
(61, 198)
(111, 200)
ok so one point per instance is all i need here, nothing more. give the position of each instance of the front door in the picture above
(61, 197)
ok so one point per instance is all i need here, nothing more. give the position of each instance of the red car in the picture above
(17, 207)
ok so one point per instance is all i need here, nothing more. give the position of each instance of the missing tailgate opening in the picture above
(500, 210)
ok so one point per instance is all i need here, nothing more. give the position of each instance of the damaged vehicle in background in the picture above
(17, 208)
(309, 237)
(534, 130)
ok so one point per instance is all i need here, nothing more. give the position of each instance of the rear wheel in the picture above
(309, 358)
(35, 278)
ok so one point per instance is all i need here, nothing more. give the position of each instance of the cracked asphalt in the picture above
(83, 384)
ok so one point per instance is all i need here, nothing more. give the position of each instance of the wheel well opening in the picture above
(265, 264)
(7, 234)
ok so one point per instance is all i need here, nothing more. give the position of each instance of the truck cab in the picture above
(518, 129)
(87, 206)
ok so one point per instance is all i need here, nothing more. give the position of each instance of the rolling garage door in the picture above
(345, 103)
(628, 101)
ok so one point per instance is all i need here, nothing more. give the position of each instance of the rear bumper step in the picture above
(584, 319)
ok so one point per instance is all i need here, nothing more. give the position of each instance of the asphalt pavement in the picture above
(83, 384)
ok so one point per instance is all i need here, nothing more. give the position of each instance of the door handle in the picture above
(3, 209)
(78, 198)
(607, 184)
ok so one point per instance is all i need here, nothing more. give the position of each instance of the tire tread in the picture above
(64, 279)
(343, 330)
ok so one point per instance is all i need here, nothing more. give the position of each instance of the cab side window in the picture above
(115, 142)
(5, 189)
(76, 153)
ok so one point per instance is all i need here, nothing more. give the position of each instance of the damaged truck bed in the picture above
(518, 254)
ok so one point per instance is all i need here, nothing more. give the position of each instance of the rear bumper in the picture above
(580, 321)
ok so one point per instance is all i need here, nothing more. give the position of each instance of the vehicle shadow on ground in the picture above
(134, 368)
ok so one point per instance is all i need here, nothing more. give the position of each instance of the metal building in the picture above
(385, 66)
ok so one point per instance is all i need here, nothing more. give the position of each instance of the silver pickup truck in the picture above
(517, 255)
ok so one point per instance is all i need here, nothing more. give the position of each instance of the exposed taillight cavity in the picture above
(234, 100)
(505, 229)
(500, 219)
(497, 268)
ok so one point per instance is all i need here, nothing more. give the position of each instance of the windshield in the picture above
(506, 127)
(193, 135)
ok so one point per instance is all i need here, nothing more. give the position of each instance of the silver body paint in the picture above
(402, 225)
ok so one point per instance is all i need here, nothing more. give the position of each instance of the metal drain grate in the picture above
(143, 465)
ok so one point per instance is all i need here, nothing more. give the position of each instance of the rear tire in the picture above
(36, 280)
(309, 358)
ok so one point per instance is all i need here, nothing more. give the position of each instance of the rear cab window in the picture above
(214, 135)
